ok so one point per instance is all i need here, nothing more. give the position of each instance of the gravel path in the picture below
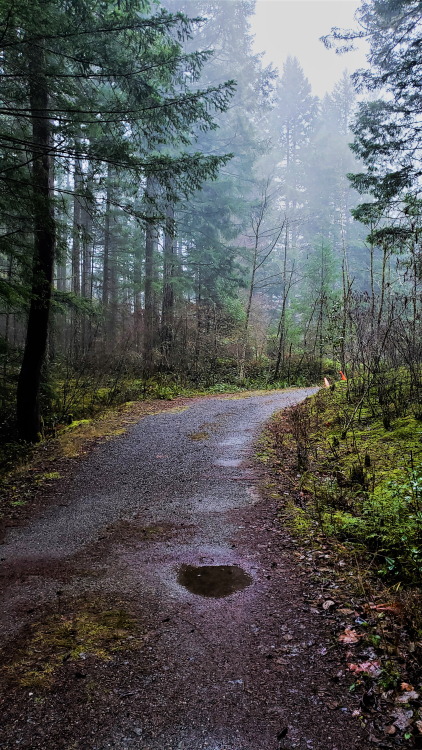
(253, 670)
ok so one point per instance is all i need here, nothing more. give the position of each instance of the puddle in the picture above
(233, 441)
(228, 461)
(213, 580)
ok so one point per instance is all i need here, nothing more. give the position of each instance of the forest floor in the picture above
(109, 643)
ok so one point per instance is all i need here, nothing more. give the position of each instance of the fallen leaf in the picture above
(391, 729)
(328, 604)
(406, 686)
(402, 718)
(408, 695)
(369, 667)
(419, 726)
(346, 611)
(349, 636)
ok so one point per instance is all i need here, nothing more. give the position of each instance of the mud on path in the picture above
(147, 519)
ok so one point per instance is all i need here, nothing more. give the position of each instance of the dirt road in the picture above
(224, 658)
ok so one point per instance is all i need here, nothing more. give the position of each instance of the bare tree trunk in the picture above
(259, 256)
(287, 284)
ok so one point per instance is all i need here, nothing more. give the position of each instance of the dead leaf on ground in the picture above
(368, 667)
(328, 604)
(407, 696)
(402, 718)
(391, 729)
(349, 636)
(406, 686)
(419, 726)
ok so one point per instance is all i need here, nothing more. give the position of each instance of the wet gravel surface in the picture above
(253, 670)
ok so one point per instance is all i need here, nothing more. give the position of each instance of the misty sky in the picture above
(293, 27)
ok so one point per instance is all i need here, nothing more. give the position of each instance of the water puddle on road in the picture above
(234, 441)
(213, 580)
(228, 461)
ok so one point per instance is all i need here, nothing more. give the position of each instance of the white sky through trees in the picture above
(293, 27)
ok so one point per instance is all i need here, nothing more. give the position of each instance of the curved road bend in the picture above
(235, 672)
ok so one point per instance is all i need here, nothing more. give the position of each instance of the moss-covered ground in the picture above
(359, 481)
(89, 629)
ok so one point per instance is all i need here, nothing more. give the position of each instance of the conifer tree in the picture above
(102, 84)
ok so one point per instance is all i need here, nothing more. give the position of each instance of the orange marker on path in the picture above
(342, 375)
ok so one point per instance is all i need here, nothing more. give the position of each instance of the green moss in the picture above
(78, 423)
(89, 631)
(49, 476)
(364, 481)
(298, 520)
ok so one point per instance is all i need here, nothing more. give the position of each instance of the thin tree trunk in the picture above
(106, 257)
(150, 316)
(137, 296)
(76, 242)
(86, 276)
(167, 318)
(110, 292)
(282, 322)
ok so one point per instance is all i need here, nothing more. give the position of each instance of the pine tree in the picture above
(107, 85)
(387, 129)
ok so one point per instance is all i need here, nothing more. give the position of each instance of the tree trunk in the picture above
(137, 295)
(28, 410)
(106, 256)
(76, 242)
(167, 318)
(110, 294)
(151, 237)
(282, 322)
(86, 276)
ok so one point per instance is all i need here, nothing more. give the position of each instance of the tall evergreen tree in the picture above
(71, 67)
(387, 129)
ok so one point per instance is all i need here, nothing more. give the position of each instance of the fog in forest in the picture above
(181, 207)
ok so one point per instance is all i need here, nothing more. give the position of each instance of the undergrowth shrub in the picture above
(361, 473)
(389, 523)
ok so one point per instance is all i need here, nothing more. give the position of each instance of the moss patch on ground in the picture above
(92, 630)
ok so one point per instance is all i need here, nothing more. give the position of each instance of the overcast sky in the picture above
(293, 27)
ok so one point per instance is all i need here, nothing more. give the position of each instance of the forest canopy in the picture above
(175, 214)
